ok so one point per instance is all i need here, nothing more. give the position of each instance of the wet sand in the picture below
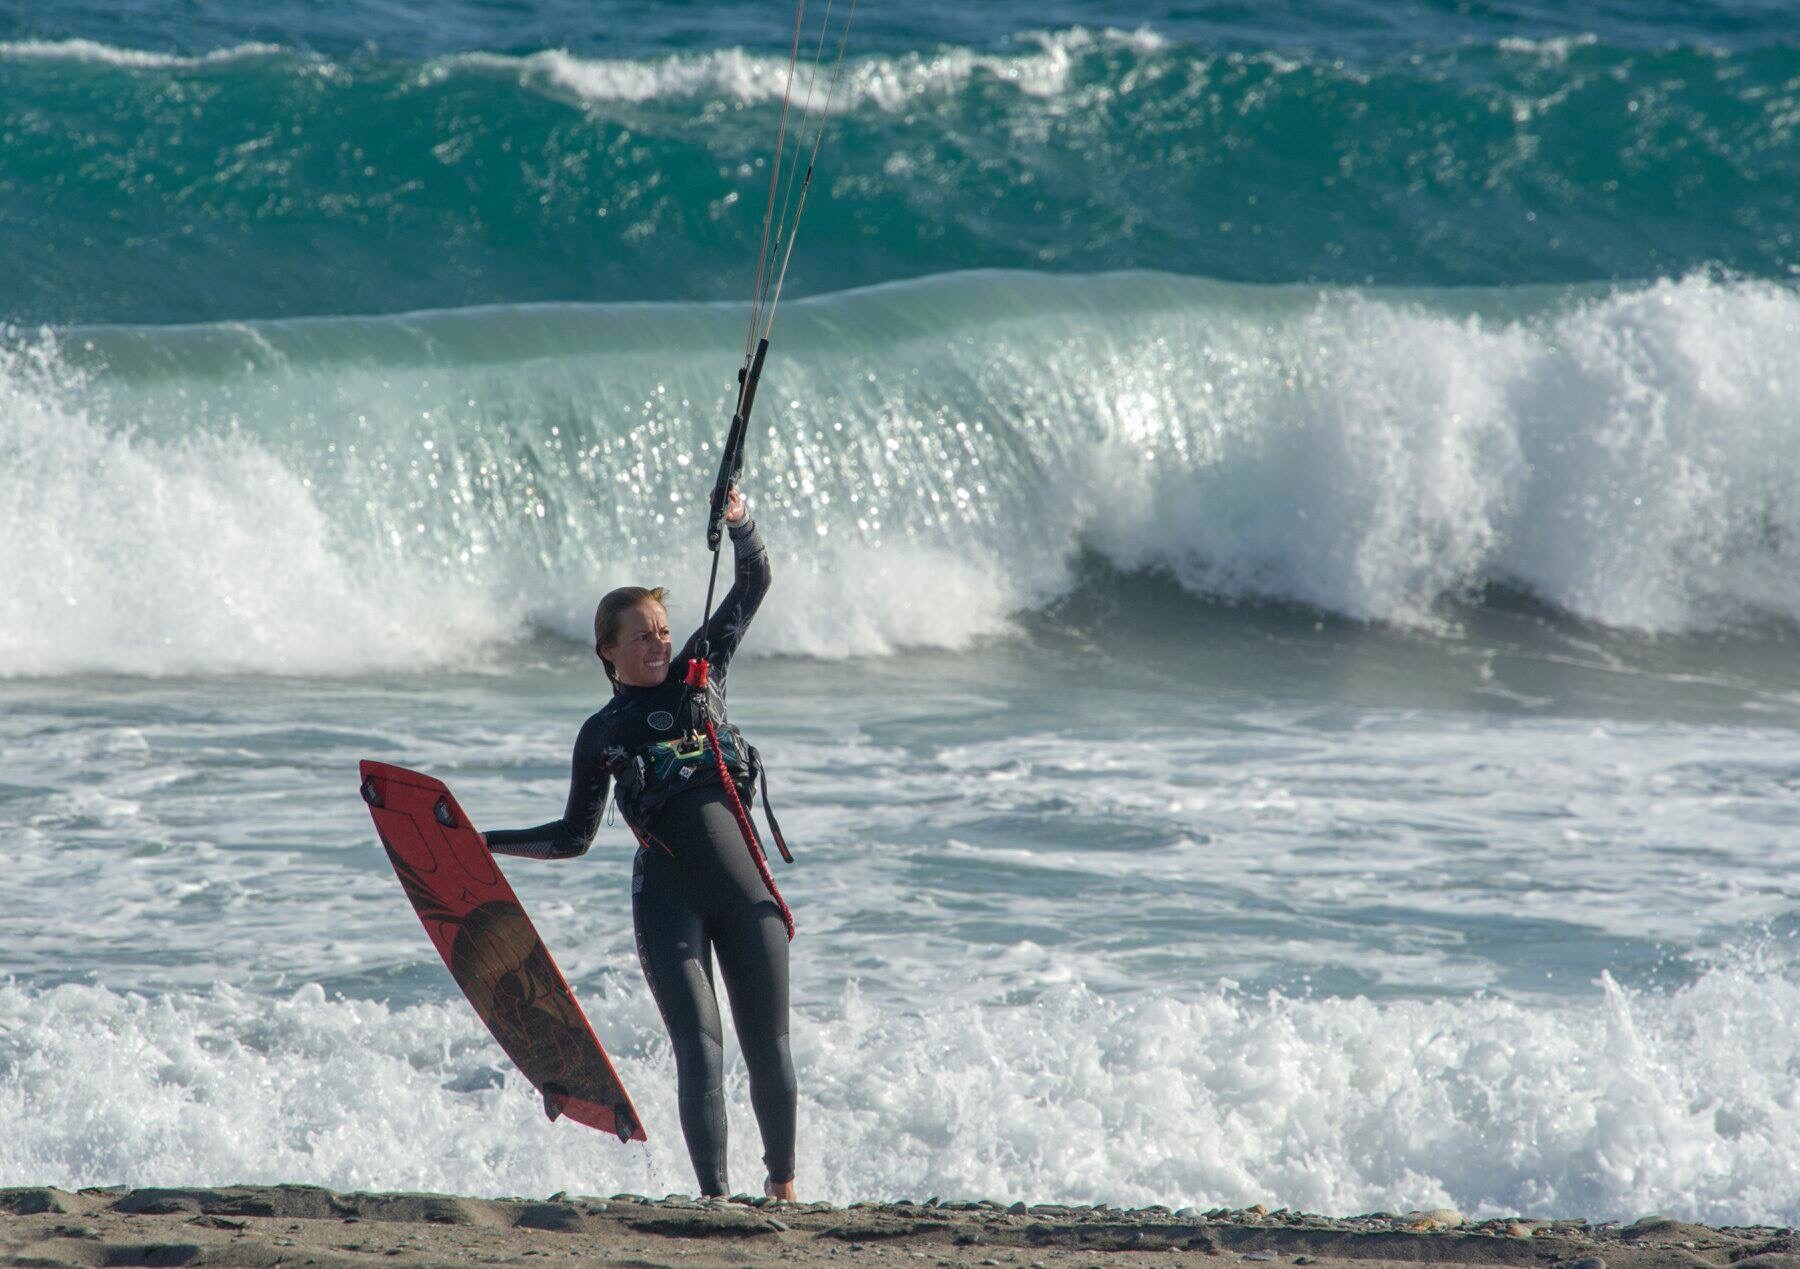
(305, 1225)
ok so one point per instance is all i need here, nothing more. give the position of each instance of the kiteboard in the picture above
(492, 949)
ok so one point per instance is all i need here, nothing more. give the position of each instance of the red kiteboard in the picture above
(492, 949)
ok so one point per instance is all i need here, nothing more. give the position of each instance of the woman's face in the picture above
(640, 655)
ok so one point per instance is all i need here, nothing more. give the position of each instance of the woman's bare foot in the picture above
(780, 1191)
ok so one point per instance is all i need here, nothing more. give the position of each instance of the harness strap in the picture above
(756, 774)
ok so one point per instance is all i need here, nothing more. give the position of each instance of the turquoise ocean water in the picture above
(1282, 669)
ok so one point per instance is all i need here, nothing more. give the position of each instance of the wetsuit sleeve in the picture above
(569, 836)
(732, 617)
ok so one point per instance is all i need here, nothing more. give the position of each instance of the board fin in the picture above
(553, 1101)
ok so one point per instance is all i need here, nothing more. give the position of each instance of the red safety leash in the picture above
(698, 673)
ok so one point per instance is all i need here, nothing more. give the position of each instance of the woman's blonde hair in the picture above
(613, 607)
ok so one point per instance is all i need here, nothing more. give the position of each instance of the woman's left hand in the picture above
(735, 506)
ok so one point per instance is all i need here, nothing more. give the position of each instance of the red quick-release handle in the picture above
(698, 672)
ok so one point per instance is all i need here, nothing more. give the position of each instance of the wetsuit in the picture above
(695, 887)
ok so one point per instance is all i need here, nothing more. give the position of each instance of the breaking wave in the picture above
(930, 458)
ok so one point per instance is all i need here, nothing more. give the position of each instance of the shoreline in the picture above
(308, 1225)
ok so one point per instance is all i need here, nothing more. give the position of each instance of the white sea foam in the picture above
(1617, 1107)
(206, 554)
(1066, 829)
(79, 50)
(886, 83)
(1553, 49)
(1141, 39)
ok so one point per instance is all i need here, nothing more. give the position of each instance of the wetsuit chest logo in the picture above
(662, 720)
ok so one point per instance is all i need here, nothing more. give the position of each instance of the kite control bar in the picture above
(731, 461)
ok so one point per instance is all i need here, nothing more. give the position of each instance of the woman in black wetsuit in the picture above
(696, 886)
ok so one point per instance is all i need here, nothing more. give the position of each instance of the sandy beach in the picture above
(307, 1225)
